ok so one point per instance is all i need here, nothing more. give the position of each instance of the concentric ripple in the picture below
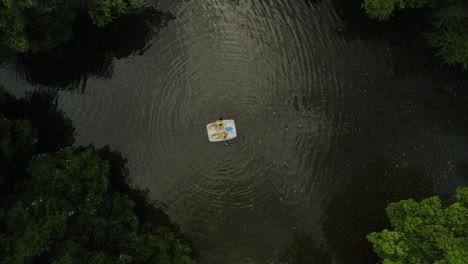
(271, 66)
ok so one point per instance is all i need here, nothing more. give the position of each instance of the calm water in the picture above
(332, 125)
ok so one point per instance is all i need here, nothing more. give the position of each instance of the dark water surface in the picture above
(332, 127)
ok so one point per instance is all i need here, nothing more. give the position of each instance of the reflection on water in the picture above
(328, 131)
(358, 208)
(56, 131)
(269, 66)
(91, 51)
(451, 109)
(304, 249)
(405, 33)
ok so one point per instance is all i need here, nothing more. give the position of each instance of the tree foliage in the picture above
(40, 25)
(424, 232)
(451, 35)
(383, 9)
(69, 213)
(18, 138)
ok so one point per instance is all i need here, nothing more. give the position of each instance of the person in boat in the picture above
(223, 134)
(219, 123)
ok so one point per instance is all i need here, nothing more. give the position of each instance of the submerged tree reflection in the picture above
(304, 249)
(91, 51)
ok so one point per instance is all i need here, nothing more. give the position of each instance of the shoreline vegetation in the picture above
(63, 204)
(40, 26)
(60, 204)
(425, 232)
(73, 205)
(449, 34)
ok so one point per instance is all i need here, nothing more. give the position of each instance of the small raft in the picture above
(215, 132)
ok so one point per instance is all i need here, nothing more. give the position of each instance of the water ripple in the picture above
(271, 66)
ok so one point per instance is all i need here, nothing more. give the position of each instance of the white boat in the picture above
(217, 131)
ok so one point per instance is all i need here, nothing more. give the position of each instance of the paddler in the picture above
(219, 124)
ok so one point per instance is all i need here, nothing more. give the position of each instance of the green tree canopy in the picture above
(40, 25)
(383, 9)
(18, 138)
(69, 213)
(424, 232)
(450, 34)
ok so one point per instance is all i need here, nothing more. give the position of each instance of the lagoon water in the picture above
(334, 122)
